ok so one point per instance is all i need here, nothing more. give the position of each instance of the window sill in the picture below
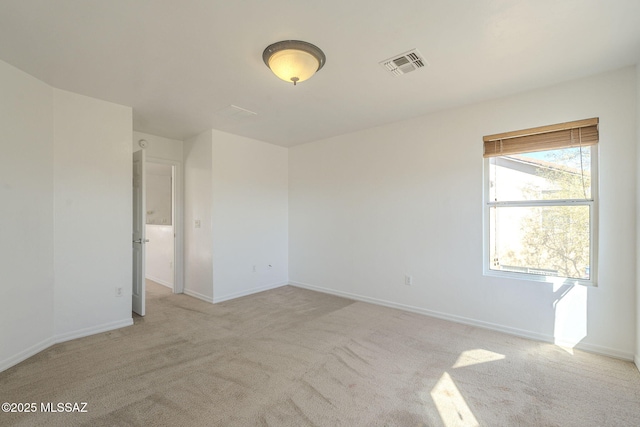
(539, 278)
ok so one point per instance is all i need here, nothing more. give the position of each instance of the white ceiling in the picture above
(178, 63)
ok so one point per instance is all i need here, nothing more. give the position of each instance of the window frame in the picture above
(593, 226)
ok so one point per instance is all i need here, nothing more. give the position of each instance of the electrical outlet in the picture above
(197, 223)
(119, 291)
(408, 280)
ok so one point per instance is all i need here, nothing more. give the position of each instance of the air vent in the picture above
(236, 112)
(404, 63)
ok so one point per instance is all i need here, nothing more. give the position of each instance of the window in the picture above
(541, 202)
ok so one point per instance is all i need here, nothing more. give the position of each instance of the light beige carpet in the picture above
(293, 357)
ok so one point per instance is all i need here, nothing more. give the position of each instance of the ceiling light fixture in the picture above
(293, 60)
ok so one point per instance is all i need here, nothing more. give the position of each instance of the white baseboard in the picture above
(160, 282)
(197, 295)
(249, 292)
(80, 333)
(25, 354)
(67, 336)
(473, 322)
(605, 351)
(636, 359)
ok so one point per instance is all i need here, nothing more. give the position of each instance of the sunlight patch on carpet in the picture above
(477, 356)
(452, 407)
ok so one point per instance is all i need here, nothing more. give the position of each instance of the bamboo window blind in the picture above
(564, 135)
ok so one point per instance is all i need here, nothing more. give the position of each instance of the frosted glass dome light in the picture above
(293, 60)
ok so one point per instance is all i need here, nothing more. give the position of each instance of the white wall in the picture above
(250, 216)
(159, 254)
(198, 242)
(159, 147)
(65, 170)
(406, 198)
(159, 193)
(26, 209)
(637, 356)
(237, 189)
(92, 208)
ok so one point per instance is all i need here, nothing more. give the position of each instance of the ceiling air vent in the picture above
(404, 63)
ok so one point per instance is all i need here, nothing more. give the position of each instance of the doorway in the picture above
(159, 224)
(163, 255)
(166, 259)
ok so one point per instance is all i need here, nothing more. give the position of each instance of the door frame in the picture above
(138, 231)
(178, 221)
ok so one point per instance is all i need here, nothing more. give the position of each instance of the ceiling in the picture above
(181, 64)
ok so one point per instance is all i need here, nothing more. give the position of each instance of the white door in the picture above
(139, 214)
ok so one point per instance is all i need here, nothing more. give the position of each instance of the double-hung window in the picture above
(540, 197)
